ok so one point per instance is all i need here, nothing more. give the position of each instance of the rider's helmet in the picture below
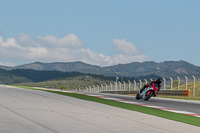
(158, 81)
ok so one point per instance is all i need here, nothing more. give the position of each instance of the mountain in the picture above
(59, 66)
(65, 67)
(166, 69)
(134, 69)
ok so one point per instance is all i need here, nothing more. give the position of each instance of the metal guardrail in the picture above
(161, 92)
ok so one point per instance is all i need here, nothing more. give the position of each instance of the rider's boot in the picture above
(155, 94)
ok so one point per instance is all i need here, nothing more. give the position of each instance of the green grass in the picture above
(147, 110)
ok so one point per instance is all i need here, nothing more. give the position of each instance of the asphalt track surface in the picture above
(184, 105)
(35, 111)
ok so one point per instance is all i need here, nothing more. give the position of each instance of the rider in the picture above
(157, 82)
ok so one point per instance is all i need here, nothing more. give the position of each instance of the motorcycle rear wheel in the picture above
(138, 96)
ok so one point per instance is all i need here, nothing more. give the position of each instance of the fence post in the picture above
(178, 83)
(129, 85)
(134, 84)
(145, 81)
(194, 86)
(171, 83)
(94, 88)
(140, 83)
(186, 82)
(101, 87)
(164, 83)
(116, 83)
(124, 85)
(90, 89)
(106, 87)
(120, 86)
(111, 86)
(98, 88)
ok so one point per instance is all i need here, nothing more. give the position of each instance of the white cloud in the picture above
(7, 64)
(121, 58)
(127, 52)
(69, 41)
(124, 47)
(49, 48)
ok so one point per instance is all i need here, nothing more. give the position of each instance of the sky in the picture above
(99, 32)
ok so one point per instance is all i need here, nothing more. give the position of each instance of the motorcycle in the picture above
(147, 93)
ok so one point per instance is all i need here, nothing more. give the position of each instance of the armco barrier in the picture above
(120, 92)
(161, 92)
(187, 92)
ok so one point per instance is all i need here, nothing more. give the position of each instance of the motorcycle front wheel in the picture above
(148, 95)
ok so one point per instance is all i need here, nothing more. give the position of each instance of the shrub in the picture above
(63, 88)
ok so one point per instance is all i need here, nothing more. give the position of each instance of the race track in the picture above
(35, 111)
(184, 105)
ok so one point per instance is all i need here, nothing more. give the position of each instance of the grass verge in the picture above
(147, 110)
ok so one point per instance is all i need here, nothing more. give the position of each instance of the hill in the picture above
(134, 69)
(31, 76)
(166, 69)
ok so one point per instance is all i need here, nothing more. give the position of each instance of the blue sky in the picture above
(104, 32)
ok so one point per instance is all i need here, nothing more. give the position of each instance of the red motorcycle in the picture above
(148, 92)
